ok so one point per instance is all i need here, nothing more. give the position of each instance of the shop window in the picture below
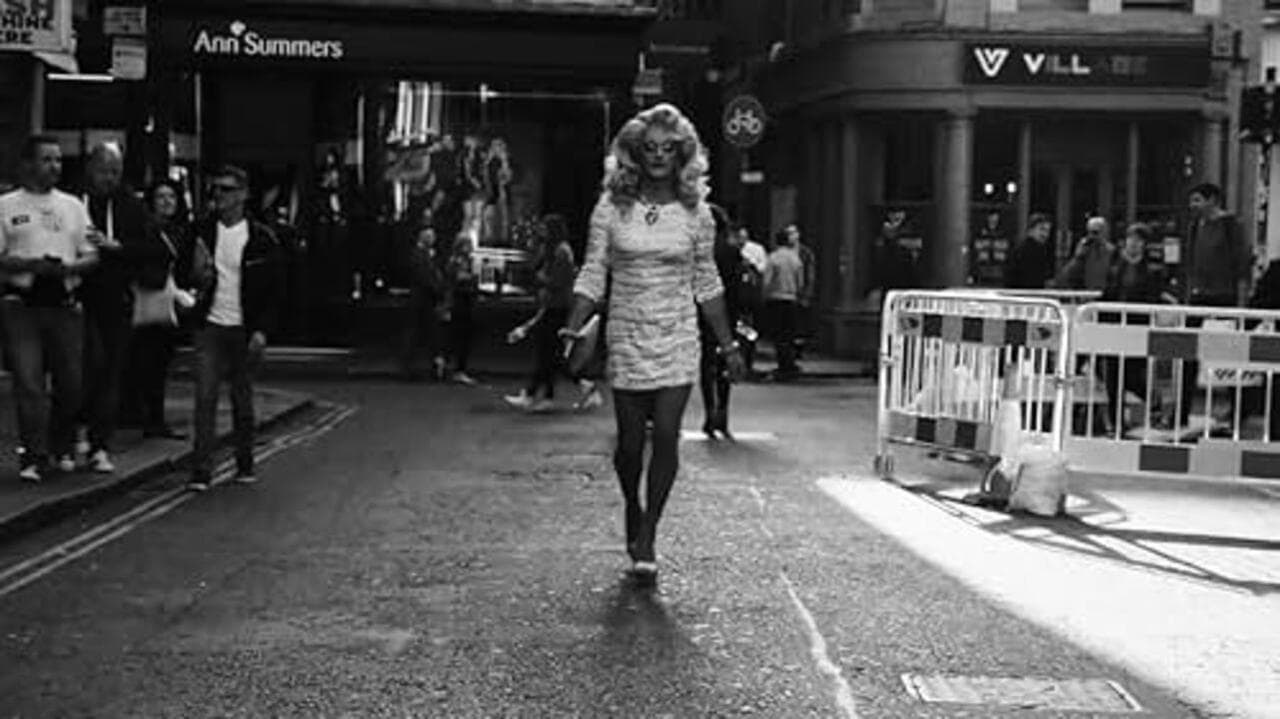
(909, 160)
(1058, 5)
(1175, 5)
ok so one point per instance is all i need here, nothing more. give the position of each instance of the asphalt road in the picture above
(437, 555)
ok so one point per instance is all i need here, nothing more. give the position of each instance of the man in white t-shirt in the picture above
(47, 243)
(240, 286)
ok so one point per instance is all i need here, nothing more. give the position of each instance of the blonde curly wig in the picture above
(624, 168)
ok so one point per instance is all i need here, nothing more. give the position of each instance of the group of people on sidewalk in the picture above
(443, 289)
(97, 289)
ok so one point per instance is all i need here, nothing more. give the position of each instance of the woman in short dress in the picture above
(651, 239)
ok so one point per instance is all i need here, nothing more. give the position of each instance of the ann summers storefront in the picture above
(353, 123)
(948, 144)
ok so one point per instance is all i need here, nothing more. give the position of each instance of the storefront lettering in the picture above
(20, 21)
(243, 42)
(1010, 64)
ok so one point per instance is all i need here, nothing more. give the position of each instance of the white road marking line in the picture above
(817, 644)
(696, 435)
(1203, 643)
(51, 560)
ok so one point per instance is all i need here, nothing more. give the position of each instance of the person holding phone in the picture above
(46, 246)
(652, 236)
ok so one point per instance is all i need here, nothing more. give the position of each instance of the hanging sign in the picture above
(128, 58)
(36, 25)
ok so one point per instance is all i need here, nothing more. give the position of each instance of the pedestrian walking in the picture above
(713, 379)
(152, 349)
(783, 287)
(463, 288)
(240, 299)
(107, 295)
(1030, 264)
(1131, 279)
(46, 246)
(425, 312)
(806, 319)
(1217, 270)
(554, 275)
(1090, 266)
(653, 234)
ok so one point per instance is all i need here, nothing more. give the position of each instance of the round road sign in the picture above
(744, 121)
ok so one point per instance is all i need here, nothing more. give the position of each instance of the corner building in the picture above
(955, 121)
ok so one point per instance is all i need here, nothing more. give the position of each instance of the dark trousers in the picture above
(106, 349)
(783, 316)
(462, 330)
(40, 340)
(547, 362)
(223, 353)
(147, 377)
(1191, 368)
(1135, 381)
(713, 384)
(422, 326)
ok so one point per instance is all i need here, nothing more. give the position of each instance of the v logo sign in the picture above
(991, 59)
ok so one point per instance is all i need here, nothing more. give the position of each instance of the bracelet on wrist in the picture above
(723, 350)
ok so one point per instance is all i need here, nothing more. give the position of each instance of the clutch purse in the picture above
(580, 351)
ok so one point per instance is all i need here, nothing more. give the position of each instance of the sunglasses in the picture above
(665, 148)
(223, 187)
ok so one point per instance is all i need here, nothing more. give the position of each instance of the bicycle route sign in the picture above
(744, 121)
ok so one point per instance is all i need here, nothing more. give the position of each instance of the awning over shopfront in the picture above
(589, 46)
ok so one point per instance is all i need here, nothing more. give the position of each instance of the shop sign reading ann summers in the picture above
(999, 63)
(238, 39)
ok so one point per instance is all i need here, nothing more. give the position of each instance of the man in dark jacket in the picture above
(124, 242)
(237, 269)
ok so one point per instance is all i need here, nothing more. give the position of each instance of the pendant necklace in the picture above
(652, 213)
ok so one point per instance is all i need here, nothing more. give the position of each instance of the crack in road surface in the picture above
(817, 643)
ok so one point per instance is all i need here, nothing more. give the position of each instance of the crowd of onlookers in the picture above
(99, 284)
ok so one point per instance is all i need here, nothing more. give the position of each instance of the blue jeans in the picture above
(223, 353)
(40, 341)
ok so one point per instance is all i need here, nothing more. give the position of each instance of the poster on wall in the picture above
(36, 26)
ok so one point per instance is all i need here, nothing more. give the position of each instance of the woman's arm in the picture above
(589, 288)
(708, 290)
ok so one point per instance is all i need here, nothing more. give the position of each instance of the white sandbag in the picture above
(1040, 485)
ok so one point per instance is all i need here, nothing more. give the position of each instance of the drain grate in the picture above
(1095, 695)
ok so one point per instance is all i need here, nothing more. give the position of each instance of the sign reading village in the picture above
(239, 40)
(999, 63)
(35, 25)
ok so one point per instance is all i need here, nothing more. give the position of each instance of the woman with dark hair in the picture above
(713, 380)
(554, 273)
(152, 347)
(653, 236)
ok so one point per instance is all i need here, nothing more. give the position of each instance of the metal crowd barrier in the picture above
(1120, 389)
(947, 360)
(1192, 391)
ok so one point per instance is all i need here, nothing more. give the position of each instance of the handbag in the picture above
(157, 308)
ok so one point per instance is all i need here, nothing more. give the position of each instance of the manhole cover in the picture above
(1093, 695)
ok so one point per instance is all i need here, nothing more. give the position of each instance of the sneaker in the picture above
(591, 400)
(542, 405)
(464, 378)
(198, 484)
(100, 462)
(30, 473)
(66, 463)
(245, 478)
(519, 401)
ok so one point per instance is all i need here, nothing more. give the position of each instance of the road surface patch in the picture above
(1040, 693)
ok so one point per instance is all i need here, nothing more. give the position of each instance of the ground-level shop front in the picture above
(947, 152)
(358, 132)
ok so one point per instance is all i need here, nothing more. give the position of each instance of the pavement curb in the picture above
(46, 512)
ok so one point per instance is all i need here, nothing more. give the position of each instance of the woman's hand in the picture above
(735, 368)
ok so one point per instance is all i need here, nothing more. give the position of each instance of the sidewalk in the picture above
(490, 358)
(24, 507)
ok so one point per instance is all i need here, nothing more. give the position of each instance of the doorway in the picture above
(1074, 192)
